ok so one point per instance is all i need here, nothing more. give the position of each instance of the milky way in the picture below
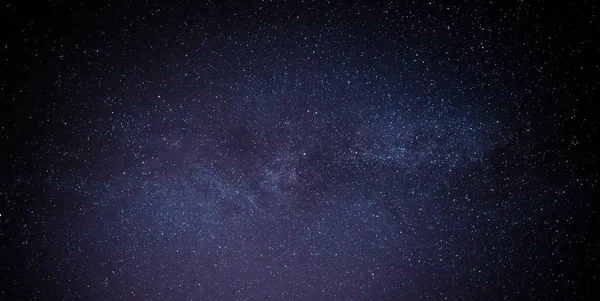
(288, 151)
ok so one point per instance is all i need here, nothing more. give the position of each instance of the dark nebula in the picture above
(298, 150)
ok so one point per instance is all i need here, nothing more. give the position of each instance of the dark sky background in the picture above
(300, 150)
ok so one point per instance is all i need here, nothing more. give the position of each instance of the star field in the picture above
(298, 151)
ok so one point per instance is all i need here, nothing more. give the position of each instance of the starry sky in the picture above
(298, 150)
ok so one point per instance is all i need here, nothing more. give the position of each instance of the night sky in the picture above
(299, 150)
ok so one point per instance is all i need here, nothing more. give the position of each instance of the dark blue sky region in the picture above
(301, 150)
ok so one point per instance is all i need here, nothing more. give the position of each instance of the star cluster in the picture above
(298, 151)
